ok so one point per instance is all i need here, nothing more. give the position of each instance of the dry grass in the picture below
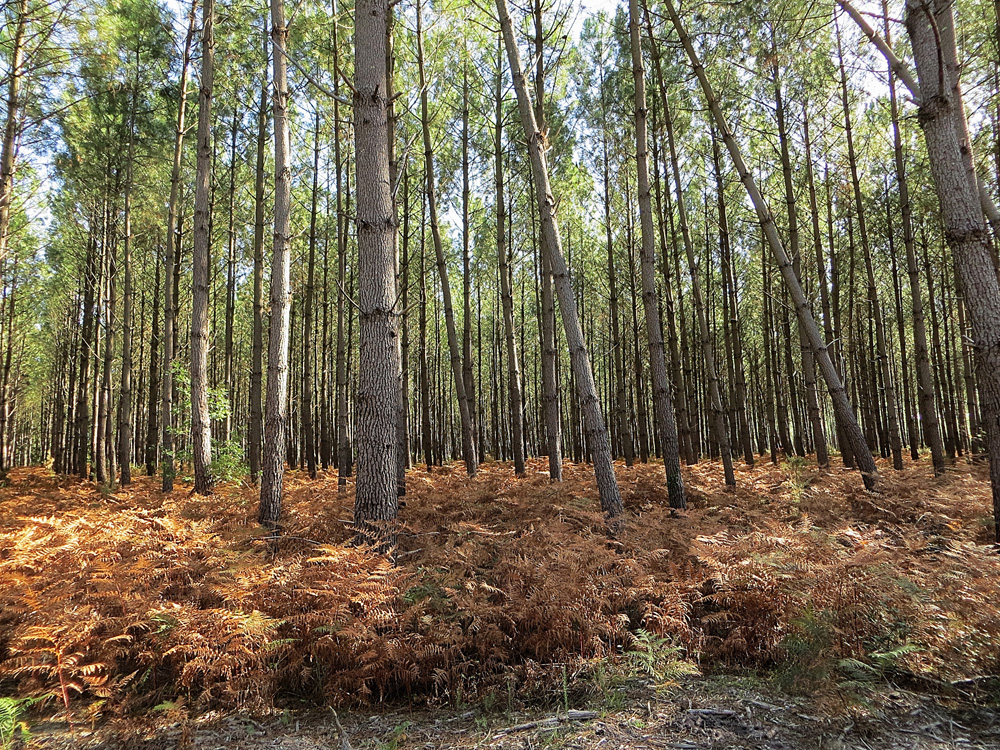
(124, 602)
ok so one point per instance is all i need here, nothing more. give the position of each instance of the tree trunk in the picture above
(201, 431)
(309, 443)
(507, 300)
(663, 407)
(171, 232)
(255, 429)
(550, 387)
(892, 413)
(276, 399)
(841, 404)
(376, 501)
(465, 414)
(930, 25)
(597, 434)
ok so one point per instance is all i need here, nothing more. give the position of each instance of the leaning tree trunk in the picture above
(276, 400)
(594, 425)
(930, 25)
(841, 404)
(378, 367)
(716, 409)
(201, 431)
(663, 406)
(464, 411)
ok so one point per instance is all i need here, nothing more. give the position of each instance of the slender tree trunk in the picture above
(550, 387)
(892, 413)
(507, 300)
(309, 443)
(201, 431)
(717, 410)
(841, 404)
(276, 399)
(227, 425)
(467, 375)
(256, 426)
(597, 434)
(930, 25)
(125, 428)
(663, 407)
(378, 366)
(465, 414)
(172, 232)
(344, 451)
(8, 147)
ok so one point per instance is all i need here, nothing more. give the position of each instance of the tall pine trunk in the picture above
(276, 399)
(465, 413)
(930, 25)
(201, 430)
(841, 404)
(663, 407)
(378, 366)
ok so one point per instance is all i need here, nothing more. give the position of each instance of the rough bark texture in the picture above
(594, 425)
(201, 430)
(276, 399)
(931, 29)
(375, 502)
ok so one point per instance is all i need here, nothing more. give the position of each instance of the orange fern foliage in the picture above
(142, 597)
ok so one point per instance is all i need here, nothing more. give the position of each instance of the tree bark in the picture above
(464, 410)
(256, 426)
(276, 399)
(201, 431)
(930, 25)
(663, 407)
(841, 404)
(507, 300)
(376, 502)
(597, 434)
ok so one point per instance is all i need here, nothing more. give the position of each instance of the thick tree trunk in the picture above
(841, 404)
(276, 399)
(930, 25)
(376, 501)
(465, 413)
(597, 434)
(663, 407)
(8, 147)
(201, 431)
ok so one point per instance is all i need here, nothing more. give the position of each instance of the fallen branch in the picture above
(552, 721)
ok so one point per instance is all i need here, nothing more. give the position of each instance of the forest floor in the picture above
(795, 611)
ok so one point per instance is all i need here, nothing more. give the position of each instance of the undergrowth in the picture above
(505, 590)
